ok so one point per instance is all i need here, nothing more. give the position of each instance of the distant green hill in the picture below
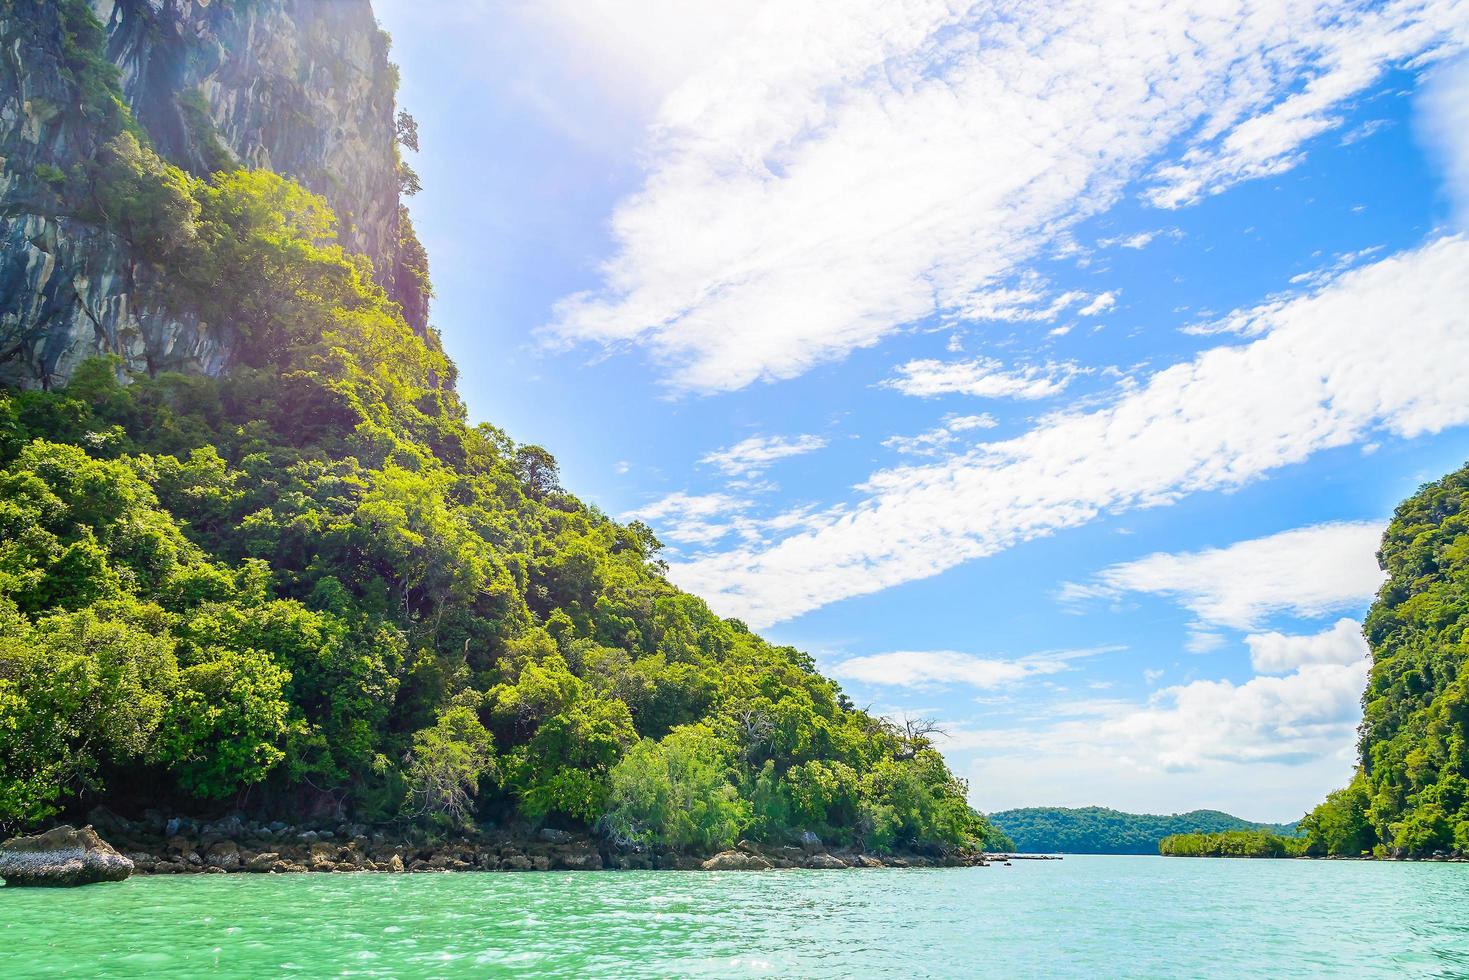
(1098, 830)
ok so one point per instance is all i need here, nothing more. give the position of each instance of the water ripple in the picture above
(1133, 917)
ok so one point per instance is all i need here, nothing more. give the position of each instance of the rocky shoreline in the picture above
(166, 846)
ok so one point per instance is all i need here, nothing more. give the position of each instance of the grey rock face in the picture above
(62, 856)
(300, 87)
(577, 859)
(70, 291)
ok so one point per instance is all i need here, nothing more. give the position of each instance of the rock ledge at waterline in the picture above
(61, 857)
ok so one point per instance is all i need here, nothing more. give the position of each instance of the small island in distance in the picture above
(1101, 830)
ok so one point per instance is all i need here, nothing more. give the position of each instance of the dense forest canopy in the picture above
(1412, 793)
(1098, 830)
(1259, 843)
(310, 587)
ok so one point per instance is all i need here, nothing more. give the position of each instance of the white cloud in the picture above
(981, 377)
(1251, 323)
(833, 170)
(1026, 302)
(1443, 120)
(1364, 131)
(751, 457)
(1100, 304)
(940, 438)
(1308, 571)
(941, 668)
(1279, 742)
(1202, 641)
(1347, 61)
(591, 72)
(1308, 713)
(1138, 240)
(1378, 351)
(694, 519)
(624, 53)
(1340, 262)
(701, 520)
(1275, 653)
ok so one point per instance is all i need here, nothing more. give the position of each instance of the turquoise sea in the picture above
(1084, 917)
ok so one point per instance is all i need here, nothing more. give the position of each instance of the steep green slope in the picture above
(309, 587)
(1411, 796)
(1098, 830)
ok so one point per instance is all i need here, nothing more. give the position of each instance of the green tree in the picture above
(150, 202)
(227, 722)
(446, 764)
(343, 565)
(1342, 824)
(565, 766)
(676, 792)
(1415, 727)
(77, 690)
(1099, 830)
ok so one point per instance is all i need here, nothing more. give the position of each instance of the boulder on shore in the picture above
(262, 863)
(577, 859)
(62, 856)
(825, 862)
(736, 861)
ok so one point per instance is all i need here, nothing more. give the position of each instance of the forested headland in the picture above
(1410, 795)
(308, 588)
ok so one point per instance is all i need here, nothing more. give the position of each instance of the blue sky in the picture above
(1046, 371)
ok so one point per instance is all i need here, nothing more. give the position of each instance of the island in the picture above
(259, 570)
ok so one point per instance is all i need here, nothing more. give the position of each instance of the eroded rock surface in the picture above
(61, 857)
(736, 861)
(300, 87)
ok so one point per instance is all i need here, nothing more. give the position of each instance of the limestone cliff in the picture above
(301, 87)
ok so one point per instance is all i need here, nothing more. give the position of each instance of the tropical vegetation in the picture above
(1233, 843)
(309, 586)
(1410, 794)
